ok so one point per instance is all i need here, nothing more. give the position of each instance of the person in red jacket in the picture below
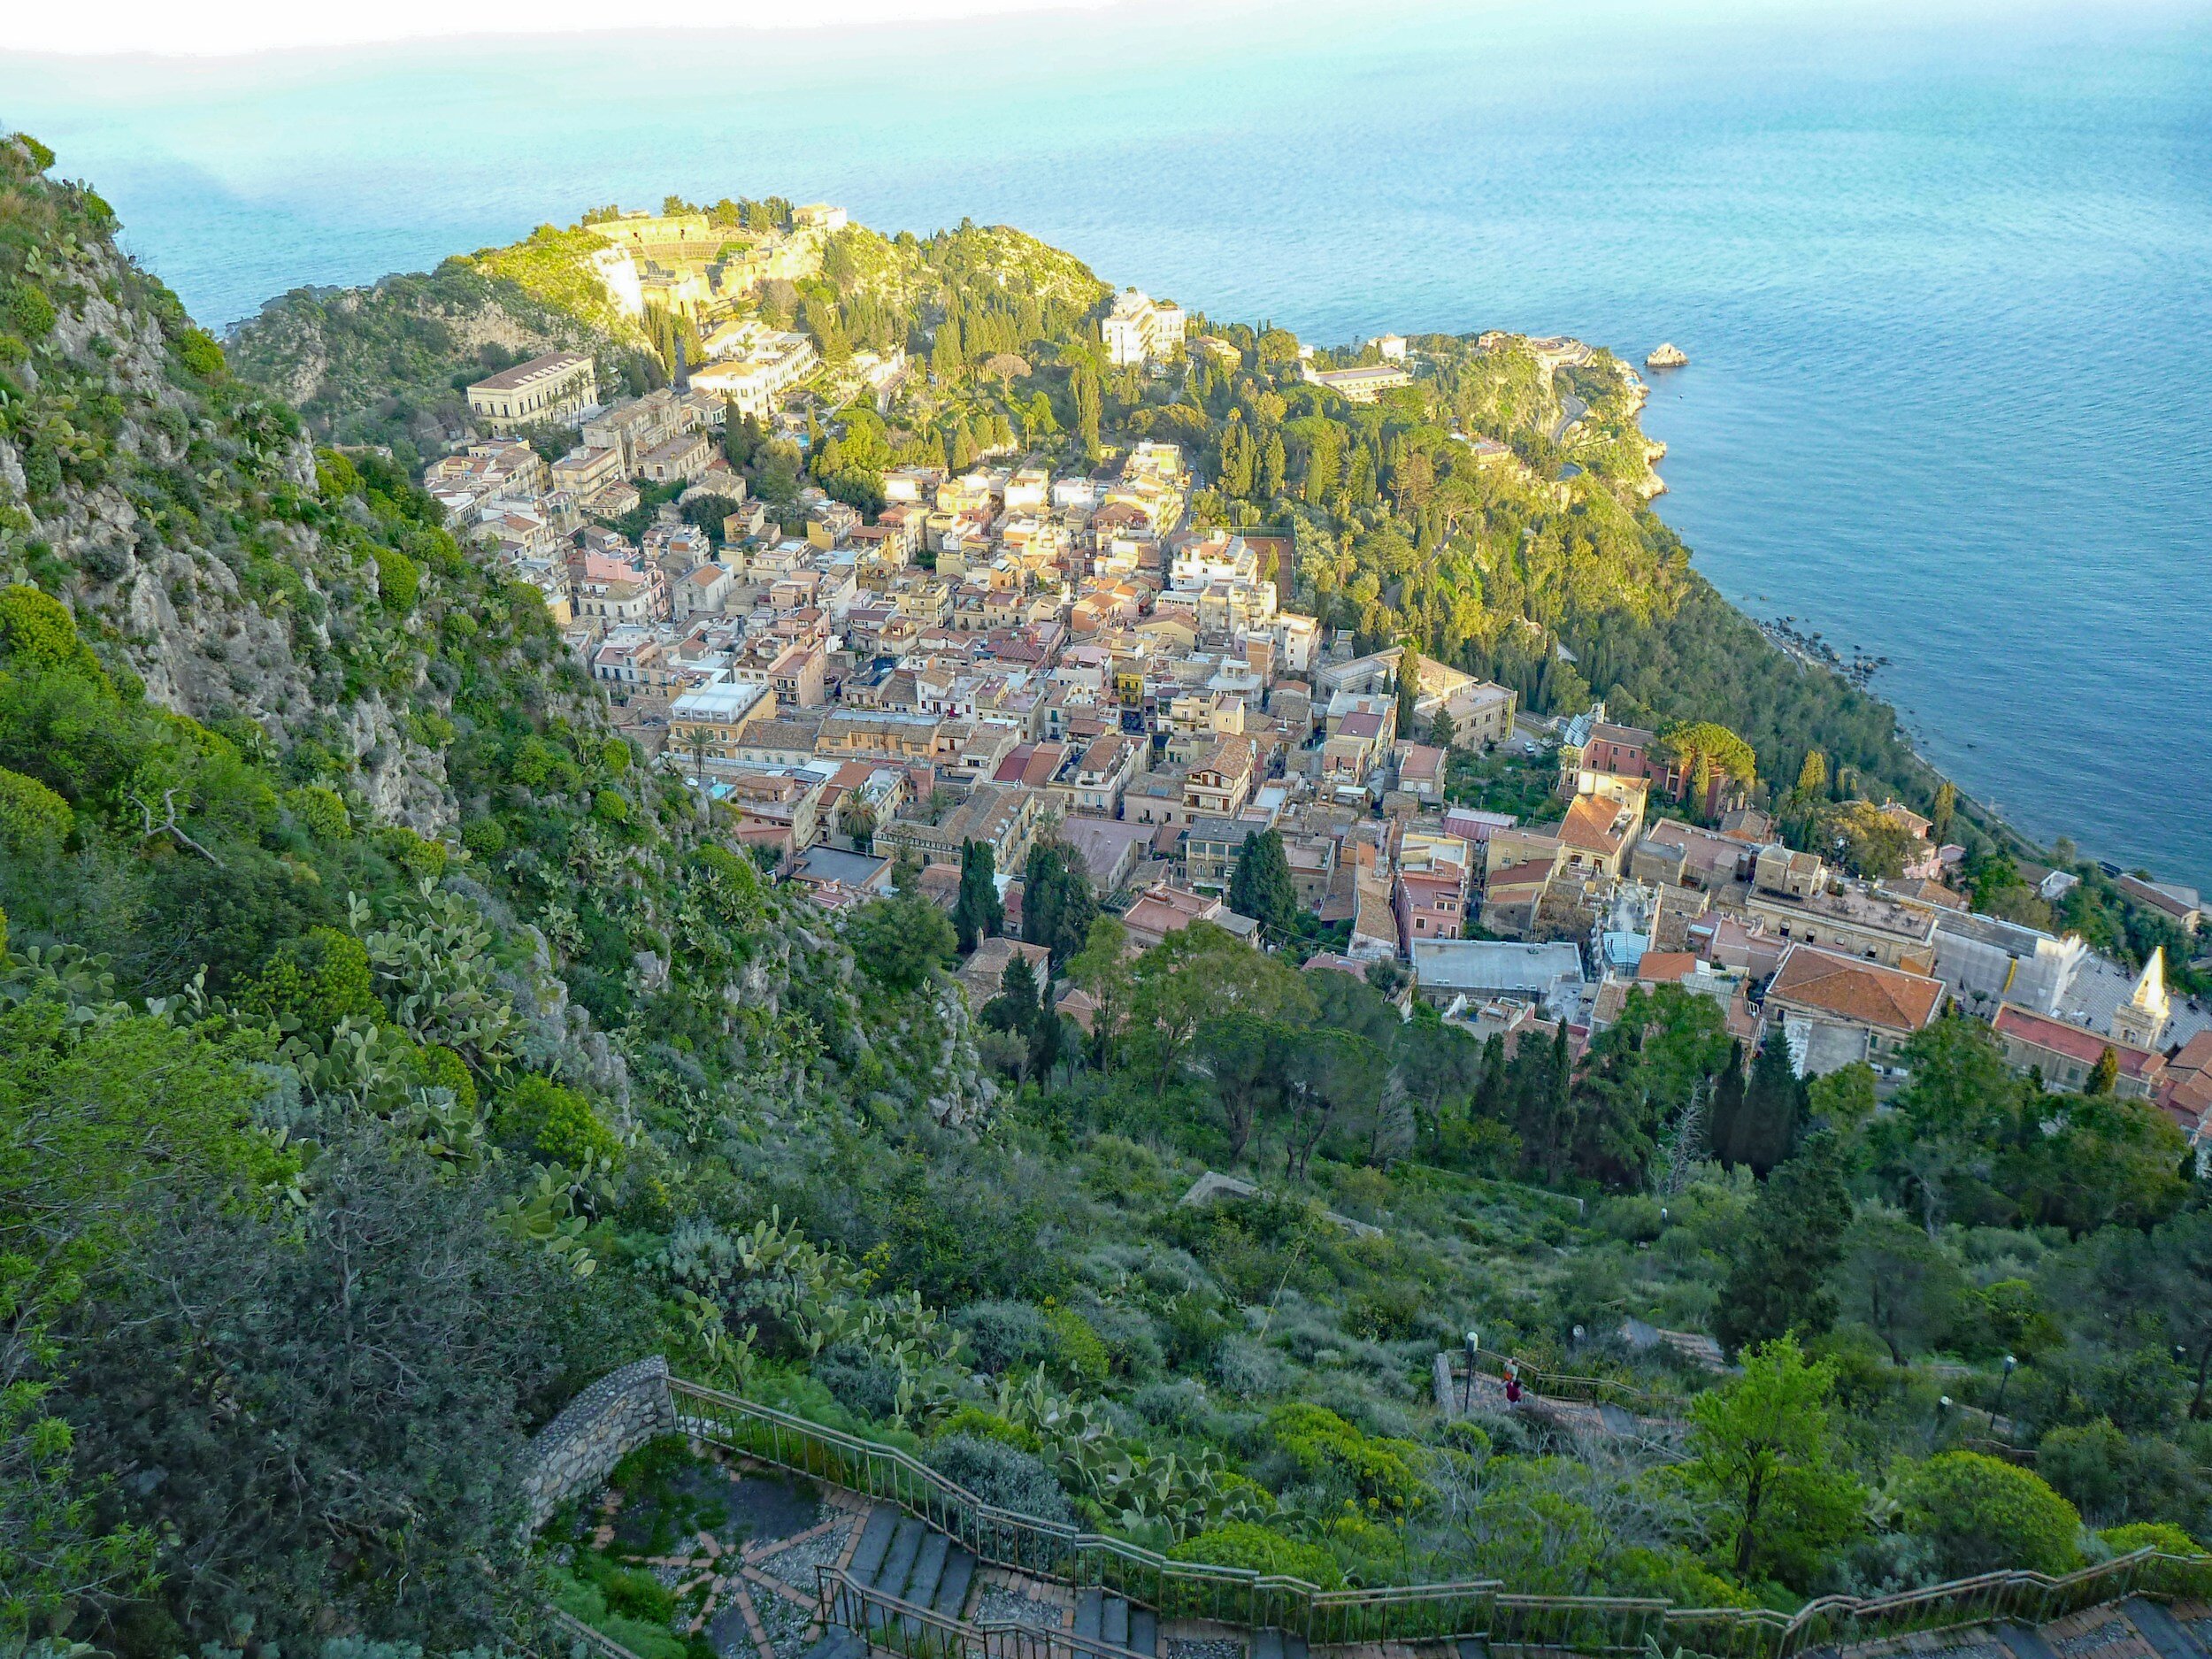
(1513, 1382)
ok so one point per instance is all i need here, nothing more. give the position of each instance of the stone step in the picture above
(1267, 1644)
(952, 1589)
(1113, 1622)
(1090, 1608)
(875, 1540)
(2169, 1635)
(1293, 1646)
(929, 1569)
(1144, 1631)
(2025, 1641)
(837, 1644)
(1474, 1647)
(898, 1560)
(898, 1563)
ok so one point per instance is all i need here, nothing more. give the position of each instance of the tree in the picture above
(1443, 733)
(1901, 1283)
(1058, 905)
(2104, 1074)
(1409, 689)
(1328, 1076)
(1812, 777)
(1762, 1133)
(978, 913)
(1199, 974)
(1782, 1255)
(334, 1399)
(1261, 887)
(1723, 1124)
(1947, 804)
(1762, 1445)
(1982, 1514)
(1243, 1058)
(898, 941)
(1101, 967)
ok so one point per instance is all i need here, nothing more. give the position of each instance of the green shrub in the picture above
(317, 979)
(439, 1067)
(37, 634)
(34, 819)
(321, 810)
(610, 808)
(411, 852)
(556, 1123)
(1323, 1444)
(1003, 1335)
(398, 581)
(977, 1423)
(1981, 1514)
(1002, 1476)
(486, 837)
(1261, 1549)
(30, 311)
(2160, 1535)
(1076, 1348)
(196, 350)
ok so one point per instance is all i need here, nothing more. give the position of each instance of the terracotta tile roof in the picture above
(1589, 825)
(1865, 993)
(1665, 967)
(2076, 1042)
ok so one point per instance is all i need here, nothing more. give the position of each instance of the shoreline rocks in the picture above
(1667, 355)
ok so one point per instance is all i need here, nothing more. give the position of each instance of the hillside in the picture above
(386, 1050)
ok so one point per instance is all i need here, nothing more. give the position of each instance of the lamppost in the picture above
(1935, 1428)
(2003, 1383)
(1474, 1346)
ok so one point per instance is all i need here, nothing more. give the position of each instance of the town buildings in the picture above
(545, 391)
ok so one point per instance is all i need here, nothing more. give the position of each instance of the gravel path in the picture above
(996, 1604)
(794, 1564)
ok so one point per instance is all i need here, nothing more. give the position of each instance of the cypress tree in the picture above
(1261, 887)
(1725, 1121)
(1794, 1238)
(977, 914)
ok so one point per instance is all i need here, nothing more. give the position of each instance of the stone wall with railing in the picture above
(599, 1428)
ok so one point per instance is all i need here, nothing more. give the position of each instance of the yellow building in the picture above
(543, 392)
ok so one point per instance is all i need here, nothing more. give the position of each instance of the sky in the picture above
(230, 28)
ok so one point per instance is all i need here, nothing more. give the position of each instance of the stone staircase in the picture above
(1100, 1615)
(2136, 1628)
(899, 1555)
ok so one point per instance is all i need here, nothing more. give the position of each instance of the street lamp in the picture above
(1474, 1346)
(1943, 1407)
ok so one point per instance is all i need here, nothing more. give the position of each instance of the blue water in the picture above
(1944, 271)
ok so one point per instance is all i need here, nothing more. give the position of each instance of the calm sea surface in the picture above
(1944, 271)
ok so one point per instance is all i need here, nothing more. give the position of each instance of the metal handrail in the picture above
(923, 1633)
(1476, 1608)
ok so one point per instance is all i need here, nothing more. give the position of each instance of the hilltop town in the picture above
(1028, 649)
(1192, 975)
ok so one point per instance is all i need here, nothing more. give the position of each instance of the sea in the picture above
(1943, 270)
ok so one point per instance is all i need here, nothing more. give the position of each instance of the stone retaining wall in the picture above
(601, 1426)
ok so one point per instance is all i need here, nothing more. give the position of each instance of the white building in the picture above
(1142, 329)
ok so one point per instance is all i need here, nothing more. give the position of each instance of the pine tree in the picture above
(1947, 804)
(1271, 466)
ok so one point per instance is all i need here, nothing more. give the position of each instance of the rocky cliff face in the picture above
(176, 510)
